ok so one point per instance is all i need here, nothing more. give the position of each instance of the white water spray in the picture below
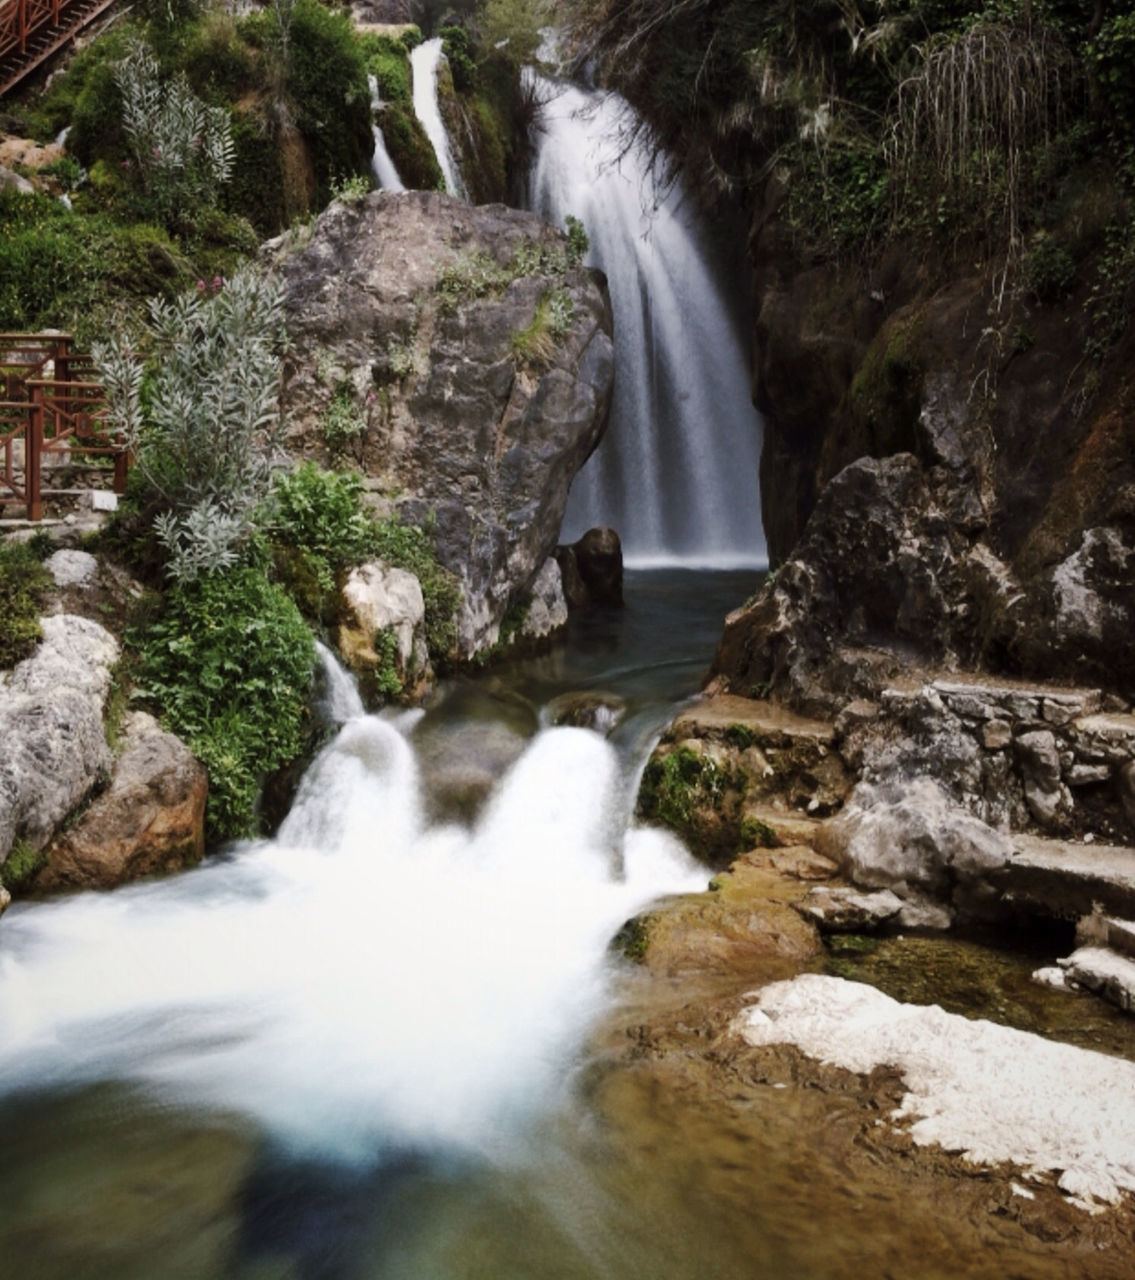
(382, 166)
(677, 473)
(364, 983)
(423, 65)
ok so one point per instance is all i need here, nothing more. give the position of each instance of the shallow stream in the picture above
(386, 1045)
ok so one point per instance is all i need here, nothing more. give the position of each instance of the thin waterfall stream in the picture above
(382, 166)
(423, 64)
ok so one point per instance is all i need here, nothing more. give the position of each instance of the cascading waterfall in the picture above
(383, 168)
(366, 983)
(423, 65)
(677, 473)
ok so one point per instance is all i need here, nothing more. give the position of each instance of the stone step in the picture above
(1101, 930)
(1103, 971)
(1069, 880)
(778, 827)
(740, 720)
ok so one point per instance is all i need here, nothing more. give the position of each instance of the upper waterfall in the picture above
(423, 64)
(677, 473)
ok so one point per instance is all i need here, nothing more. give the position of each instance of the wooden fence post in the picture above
(34, 450)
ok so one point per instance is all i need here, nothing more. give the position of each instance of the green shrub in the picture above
(228, 666)
(388, 61)
(318, 519)
(75, 271)
(202, 426)
(1047, 270)
(23, 580)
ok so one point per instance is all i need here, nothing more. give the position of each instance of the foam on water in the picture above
(364, 982)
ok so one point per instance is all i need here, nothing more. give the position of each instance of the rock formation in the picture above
(477, 363)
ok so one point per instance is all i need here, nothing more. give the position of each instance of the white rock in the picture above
(990, 1092)
(73, 568)
(381, 598)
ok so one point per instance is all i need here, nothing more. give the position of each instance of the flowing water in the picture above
(423, 65)
(334, 1048)
(677, 473)
(382, 166)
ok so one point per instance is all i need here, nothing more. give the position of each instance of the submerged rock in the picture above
(477, 364)
(593, 569)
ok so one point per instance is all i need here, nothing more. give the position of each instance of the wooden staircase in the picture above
(31, 31)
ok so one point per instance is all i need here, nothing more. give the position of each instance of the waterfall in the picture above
(423, 65)
(677, 473)
(339, 696)
(366, 983)
(383, 168)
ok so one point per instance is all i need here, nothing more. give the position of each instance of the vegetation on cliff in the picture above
(958, 124)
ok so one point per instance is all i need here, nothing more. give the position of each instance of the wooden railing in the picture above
(32, 31)
(52, 410)
(20, 19)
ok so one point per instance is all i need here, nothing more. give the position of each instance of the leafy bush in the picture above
(1047, 270)
(23, 580)
(318, 517)
(202, 433)
(228, 665)
(182, 149)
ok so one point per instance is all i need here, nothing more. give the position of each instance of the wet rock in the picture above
(746, 928)
(151, 819)
(598, 711)
(5, 899)
(52, 747)
(913, 839)
(846, 910)
(1101, 970)
(593, 570)
(547, 611)
(384, 304)
(381, 632)
(1049, 800)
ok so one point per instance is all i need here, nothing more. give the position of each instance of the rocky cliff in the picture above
(471, 362)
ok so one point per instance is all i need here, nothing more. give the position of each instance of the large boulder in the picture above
(151, 818)
(912, 839)
(52, 747)
(477, 363)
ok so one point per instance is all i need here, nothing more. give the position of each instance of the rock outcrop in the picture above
(150, 819)
(477, 363)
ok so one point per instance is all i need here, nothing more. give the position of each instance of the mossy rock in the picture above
(696, 797)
